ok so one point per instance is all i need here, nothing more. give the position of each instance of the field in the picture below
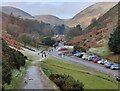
(91, 79)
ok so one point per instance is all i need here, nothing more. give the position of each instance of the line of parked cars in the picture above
(96, 59)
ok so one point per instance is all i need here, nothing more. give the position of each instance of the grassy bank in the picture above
(17, 77)
(105, 53)
(90, 78)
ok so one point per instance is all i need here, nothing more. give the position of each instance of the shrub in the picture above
(66, 82)
(11, 59)
(48, 41)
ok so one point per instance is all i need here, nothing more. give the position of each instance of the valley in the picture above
(44, 51)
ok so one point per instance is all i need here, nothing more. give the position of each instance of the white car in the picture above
(102, 61)
(85, 57)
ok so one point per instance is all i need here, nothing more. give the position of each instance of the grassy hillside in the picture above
(53, 20)
(94, 11)
(98, 33)
(17, 12)
(91, 79)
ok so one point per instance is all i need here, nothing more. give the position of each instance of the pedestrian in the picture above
(45, 55)
(25, 82)
(42, 55)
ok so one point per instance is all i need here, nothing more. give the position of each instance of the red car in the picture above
(95, 61)
(62, 49)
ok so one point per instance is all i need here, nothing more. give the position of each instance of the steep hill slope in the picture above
(53, 20)
(16, 12)
(95, 11)
(97, 34)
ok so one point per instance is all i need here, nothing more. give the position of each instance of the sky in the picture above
(61, 8)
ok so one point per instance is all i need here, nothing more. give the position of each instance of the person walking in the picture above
(45, 54)
(42, 55)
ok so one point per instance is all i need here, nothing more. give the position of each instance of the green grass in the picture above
(94, 80)
(17, 77)
(101, 51)
(104, 52)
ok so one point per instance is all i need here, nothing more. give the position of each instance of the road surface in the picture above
(88, 64)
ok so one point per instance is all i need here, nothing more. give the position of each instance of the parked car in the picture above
(85, 57)
(118, 78)
(62, 49)
(102, 61)
(73, 52)
(108, 64)
(60, 53)
(96, 59)
(90, 58)
(115, 67)
(77, 54)
(81, 54)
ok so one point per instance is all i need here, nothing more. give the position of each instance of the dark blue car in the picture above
(95, 58)
(74, 52)
(118, 78)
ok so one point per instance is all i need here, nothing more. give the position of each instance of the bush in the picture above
(48, 41)
(66, 82)
(11, 59)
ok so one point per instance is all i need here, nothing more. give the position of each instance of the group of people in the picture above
(44, 54)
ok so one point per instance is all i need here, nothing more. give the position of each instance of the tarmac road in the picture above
(88, 64)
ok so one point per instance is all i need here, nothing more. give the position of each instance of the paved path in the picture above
(34, 77)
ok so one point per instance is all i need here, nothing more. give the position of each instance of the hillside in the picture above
(16, 12)
(53, 20)
(97, 34)
(95, 11)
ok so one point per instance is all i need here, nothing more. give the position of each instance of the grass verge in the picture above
(105, 53)
(91, 80)
(17, 77)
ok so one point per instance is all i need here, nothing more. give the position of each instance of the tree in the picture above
(48, 41)
(73, 32)
(76, 47)
(94, 20)
(114, 41)
(79, 27)
(59, 29)
(24, 38)
(13, 30)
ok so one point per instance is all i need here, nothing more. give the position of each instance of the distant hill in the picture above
(53, 20)
(94, 11)
(97, 34)
(16, 12)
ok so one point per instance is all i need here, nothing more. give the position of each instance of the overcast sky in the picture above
(61, 8)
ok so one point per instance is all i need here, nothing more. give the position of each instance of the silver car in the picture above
(115, 67)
